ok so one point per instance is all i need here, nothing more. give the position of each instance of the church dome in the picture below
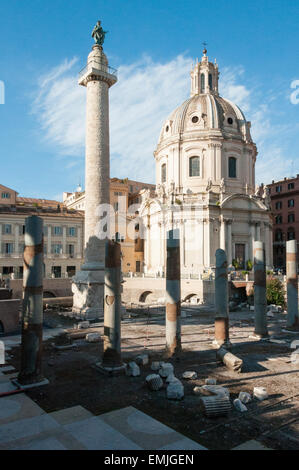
(205, 144)
(205, 112)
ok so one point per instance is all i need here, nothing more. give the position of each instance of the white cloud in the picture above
(59, 106)
(232, 90)
(145, 94)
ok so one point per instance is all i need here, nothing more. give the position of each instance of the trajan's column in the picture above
(97, 77)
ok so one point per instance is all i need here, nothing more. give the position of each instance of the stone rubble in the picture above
(156, 365)
(166, 369)
(171, 378)
(154, 382)
(239, 405)
(189, 375)
(245, 397)
(260, 393)
(82, 325)
(274, 308)
(210, 381)
(175, 390)
(142, 359)
(216, 405)
(93, 337)
(277, 341)
(132, 369)
(210, 390)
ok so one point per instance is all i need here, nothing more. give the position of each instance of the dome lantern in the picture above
(204, 76)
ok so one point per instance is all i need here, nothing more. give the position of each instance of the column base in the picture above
(30, 384)
(221, 339)
(110, 370)
(88, 298)
(291, 329)
(260, 336)
(226, 344)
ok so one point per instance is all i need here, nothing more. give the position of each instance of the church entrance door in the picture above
(240, 254)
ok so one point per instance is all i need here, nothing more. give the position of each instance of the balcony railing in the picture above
(204, 276)
(99, 66)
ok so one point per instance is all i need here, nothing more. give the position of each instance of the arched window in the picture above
(291, 233)
(194, 166)
(232, 167)
(210, 81)
(163, 173)
(202, 83)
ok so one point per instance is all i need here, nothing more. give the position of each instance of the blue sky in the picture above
(44, 44)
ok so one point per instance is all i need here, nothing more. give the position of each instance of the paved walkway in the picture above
(25, 426)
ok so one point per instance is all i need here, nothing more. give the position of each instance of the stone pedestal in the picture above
(88, 294)
(88, 284)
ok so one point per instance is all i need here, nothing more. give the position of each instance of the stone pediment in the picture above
(244, 202)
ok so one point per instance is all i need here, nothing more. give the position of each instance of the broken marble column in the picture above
(231, 361)
(32, 309)
(173, 294)
(260, 297)
(292, 285)
(112, 307)
(88, 284)
(221, 302)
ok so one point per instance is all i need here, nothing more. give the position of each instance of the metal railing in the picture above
(99, 66)
(204, 276)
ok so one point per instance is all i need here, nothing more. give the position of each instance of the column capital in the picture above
(214, 145)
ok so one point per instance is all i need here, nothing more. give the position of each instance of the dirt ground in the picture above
(74, 380)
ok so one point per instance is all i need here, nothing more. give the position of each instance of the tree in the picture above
(275, 292)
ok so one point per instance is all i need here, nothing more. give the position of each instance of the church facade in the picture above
(205, 183)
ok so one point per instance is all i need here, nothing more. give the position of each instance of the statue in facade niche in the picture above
(172, 187)
(222, 186)
(209, 185)
(146, 194)
(98, 34)
(160, 190)
(266, 197)
(257, 191)
(204, 119)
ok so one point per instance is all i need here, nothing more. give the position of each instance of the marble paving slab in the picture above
(145, 431)
(95, 434)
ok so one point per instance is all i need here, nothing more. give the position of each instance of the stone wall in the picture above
(52, 288)
(148, 290)
(10, 314)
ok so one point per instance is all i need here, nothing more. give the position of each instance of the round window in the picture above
(195, 119)
(230, 121)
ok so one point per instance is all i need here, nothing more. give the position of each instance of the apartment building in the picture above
(63, 235)
(285, 207)
(123, 194)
